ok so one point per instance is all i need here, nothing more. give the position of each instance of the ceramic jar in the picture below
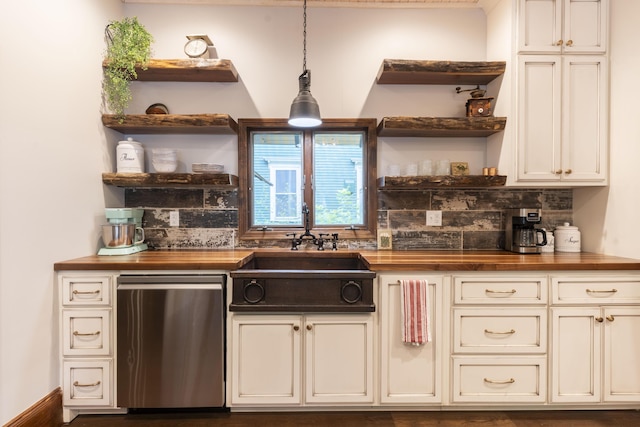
(567, 238)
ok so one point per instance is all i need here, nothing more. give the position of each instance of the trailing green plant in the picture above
(128, 46)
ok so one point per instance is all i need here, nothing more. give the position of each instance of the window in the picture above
(330, 168)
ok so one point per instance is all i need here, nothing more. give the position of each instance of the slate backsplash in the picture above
(472, 219)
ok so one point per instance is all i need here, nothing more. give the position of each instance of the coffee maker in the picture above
(521, 236)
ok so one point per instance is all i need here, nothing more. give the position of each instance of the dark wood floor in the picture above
(359, 419)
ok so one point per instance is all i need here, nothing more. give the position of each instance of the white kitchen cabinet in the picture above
(595, 358)
(274, 358)
(562, 120)
(499, 338)
(562, 26)
(409, 374)
(86, 336)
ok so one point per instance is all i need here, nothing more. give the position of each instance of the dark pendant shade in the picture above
(305, 111)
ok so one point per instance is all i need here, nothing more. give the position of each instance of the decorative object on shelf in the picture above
(459, 168)
(305, 111)
(130, 156)
(198, 46)
(157, 109)
(165, 160)
(384, 240)
(443, 167)
(207, 168)
(477, 105)
(128, 46)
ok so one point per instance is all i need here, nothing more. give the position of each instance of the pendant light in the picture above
(305, 111)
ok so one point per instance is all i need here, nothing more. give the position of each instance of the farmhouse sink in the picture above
(303, 282)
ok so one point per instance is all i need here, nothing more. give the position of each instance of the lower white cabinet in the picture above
(86, 335)
(595, 322)
(301, 359)
(409, 374)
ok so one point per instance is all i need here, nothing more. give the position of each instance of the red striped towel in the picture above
(415, 314)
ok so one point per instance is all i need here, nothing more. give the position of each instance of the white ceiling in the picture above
(335, 3)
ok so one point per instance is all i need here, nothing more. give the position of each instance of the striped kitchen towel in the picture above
(416, 327)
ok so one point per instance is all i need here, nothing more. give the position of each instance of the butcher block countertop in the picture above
(376, 260)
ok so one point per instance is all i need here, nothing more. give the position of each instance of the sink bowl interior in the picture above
(304, 261)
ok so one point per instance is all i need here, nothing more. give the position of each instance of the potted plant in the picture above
(128, 46)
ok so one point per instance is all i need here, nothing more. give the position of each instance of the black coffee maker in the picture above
(521, 236)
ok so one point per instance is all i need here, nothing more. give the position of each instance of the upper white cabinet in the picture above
(562, 119)
(562, 26)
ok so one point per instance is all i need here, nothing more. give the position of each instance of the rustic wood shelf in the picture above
(187, 70)
(441, 126)
(168, 180)
(438, 181)
(402, 71)
(172, 123)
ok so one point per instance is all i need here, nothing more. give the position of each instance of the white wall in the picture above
(608, 216)
(52, 151)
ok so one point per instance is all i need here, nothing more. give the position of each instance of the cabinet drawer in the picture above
(86, 332)
(86, 290)
(596, 290)
(521, 330)
(499, 380)
(500, 290)
(87, 383)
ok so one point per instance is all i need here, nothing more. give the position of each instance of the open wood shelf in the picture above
(437, 181)
(167, 180)
(172, 123)
(441, 126)
(404, 71)
(187, 70)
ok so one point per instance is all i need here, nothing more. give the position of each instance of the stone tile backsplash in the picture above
(472, 219)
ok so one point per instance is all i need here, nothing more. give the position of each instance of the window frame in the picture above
(369, 167)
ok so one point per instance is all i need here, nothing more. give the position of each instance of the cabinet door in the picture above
(621, 374)
(265, 359)
(339, 358)
(576, 360)
(540, 26)
(539, 129)
(409, 374)
(562, 26)
(584, 118)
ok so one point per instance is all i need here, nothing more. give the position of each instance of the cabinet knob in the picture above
(559, 42)
(568, 171)
(569, 43)
(558, 171)
(610, 318)
(599, 319)
(296, 327)
(309, 327)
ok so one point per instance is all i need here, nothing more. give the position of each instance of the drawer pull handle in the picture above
(79, 334)
(86, 292)
(77, 384)
(510, 332)
(493, 291)
(594, 291)
(509, 381)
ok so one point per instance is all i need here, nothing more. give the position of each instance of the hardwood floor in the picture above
(373, 418)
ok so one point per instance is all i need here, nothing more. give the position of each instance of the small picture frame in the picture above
(459, 168)
(384, 240)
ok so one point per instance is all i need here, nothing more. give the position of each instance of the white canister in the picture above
(567, 238)
(130, 156)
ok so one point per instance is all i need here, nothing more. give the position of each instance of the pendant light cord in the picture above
(304, 36)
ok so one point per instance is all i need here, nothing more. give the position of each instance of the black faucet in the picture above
(318, 241)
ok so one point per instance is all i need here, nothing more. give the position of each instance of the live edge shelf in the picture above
(441, 126)
(188, 70)
(390, 183)
(404, 71)
(168, 180)
(172, 123)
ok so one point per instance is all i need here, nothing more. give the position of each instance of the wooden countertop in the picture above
(377, 260)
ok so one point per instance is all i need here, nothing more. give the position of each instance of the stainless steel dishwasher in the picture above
(170, 338)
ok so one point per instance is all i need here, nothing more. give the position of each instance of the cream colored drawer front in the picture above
(86, 332)
(87, 383)
(500, 290)
(596, 290)
(499, 330)
(499, 380)
(86, 290)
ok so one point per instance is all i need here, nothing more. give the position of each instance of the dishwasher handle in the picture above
(167, 286)
(171, 281)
